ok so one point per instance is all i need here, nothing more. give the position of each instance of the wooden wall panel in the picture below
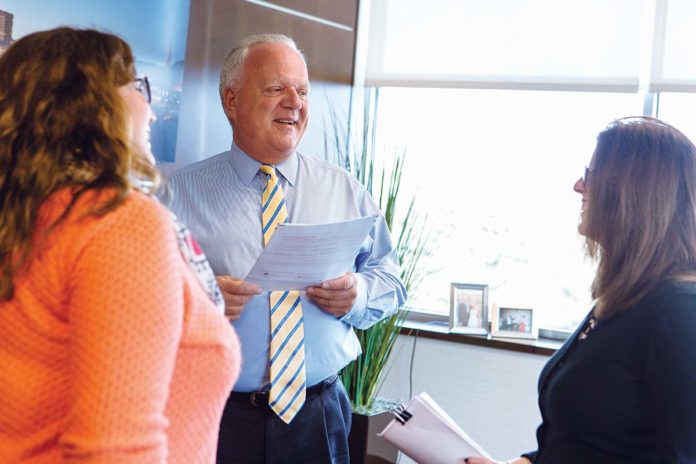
(340, 11)
(329, 50)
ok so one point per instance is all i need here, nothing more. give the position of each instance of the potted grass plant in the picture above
(363, 377)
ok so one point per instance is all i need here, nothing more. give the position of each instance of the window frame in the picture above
(649, 86)
(427, 320)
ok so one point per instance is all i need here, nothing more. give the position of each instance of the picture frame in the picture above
(468, 308)
(508, 322)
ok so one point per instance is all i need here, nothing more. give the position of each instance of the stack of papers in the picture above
(430, 435)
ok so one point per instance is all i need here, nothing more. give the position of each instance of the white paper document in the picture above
(430, 435)
(302, 255)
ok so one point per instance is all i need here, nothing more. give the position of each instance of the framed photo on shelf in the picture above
(468, 309)
(514, 323)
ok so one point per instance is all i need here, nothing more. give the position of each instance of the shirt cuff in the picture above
(357, 312)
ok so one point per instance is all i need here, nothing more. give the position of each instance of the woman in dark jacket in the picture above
(622, 389)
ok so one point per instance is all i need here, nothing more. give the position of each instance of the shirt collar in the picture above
(247, 167)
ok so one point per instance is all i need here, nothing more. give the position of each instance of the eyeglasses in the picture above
(586, 174)
(142, 85)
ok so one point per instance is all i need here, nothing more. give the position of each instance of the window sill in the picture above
(440, 331)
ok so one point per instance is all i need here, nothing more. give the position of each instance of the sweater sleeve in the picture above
(672, 379)
(125, 316)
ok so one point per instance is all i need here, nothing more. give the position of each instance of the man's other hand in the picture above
(335, 296)
(236, 293)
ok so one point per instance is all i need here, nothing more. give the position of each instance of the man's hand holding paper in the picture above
(335, 296)
(236, 294)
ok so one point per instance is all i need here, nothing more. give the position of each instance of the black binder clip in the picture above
(401, 414)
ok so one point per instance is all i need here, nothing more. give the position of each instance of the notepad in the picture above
(428, 434)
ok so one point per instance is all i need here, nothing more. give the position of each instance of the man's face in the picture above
(269, 107)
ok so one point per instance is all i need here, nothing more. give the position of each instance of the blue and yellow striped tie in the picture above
(287, 359)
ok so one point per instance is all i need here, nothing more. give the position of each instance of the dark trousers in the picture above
(318, 434)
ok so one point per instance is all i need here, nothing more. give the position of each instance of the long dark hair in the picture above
(642, 210)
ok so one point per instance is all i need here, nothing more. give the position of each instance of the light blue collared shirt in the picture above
(219, 199)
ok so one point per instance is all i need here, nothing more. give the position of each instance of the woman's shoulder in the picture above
(139, 214)
(671, 307)
(680, 287)
(95, 199)
(135, 205)
(136, 214)
(138, 203)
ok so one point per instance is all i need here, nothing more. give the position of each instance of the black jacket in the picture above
(627, 393)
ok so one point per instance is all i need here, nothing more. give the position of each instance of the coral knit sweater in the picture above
(110, 350)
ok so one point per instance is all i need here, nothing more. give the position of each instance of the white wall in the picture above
(491, 393)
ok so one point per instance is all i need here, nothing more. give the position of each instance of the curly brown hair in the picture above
(63, 124)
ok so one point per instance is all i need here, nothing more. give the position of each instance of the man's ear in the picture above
(229, 103)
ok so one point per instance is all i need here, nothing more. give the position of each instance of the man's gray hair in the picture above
(234, 63)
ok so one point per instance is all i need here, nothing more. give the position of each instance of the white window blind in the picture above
(674, 62)
(521, 44)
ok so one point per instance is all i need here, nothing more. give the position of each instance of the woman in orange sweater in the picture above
(112, 349)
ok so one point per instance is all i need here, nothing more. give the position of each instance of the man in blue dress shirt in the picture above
(264, 87)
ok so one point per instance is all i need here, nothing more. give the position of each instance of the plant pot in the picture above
(364, 444)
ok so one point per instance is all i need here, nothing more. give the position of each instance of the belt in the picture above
(259, 398)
